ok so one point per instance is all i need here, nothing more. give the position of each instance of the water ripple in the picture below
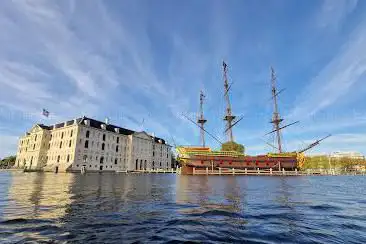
(112, 208)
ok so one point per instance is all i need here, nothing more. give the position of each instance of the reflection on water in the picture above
(166, 207)
(38, 196)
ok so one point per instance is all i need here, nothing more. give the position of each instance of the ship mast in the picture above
(228, 116)
(276, 119)
(201, 120)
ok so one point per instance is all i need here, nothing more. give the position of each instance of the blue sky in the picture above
(147, 60)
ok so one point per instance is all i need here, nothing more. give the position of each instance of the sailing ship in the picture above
(192, 157)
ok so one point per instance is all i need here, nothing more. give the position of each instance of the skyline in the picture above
(143, 65)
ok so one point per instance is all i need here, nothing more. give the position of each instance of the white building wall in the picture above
(73, 145)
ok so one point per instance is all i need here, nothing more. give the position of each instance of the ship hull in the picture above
(261, 162)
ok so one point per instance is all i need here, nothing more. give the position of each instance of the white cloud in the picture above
(337, 79)
(333, 13)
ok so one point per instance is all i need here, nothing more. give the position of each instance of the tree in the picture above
(232, 146)
(7, 162)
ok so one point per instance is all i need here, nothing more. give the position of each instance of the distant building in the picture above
(92, 144)
(352, 155)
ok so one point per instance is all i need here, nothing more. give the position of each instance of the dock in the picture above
(250, 172)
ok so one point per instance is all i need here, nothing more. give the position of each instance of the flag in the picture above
(45, 113)
(224, 64)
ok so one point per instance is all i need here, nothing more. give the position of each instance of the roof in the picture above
(98, 125)
(45, 126)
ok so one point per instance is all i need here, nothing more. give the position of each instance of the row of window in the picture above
(87, 135)
(86, 145)
(102, 159)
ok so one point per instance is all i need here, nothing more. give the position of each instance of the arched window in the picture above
(116, 148)
(85, 157)
(86, 144)
(102, 146)
(117, 139)
(137, 163)
(103, 137)
(141, 164)
(145, 166)
(87, 134)
(101, 160)
(115, 161)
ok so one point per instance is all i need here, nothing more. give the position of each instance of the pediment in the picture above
(35, 129)
(142, 135)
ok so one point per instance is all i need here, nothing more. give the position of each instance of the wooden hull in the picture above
(245, 162)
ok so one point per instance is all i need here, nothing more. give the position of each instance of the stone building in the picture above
(92, 144)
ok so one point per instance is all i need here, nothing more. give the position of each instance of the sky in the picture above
(142, 64)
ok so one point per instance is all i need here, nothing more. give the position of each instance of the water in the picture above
(112, 208)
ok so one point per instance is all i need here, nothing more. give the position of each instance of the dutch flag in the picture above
(45, 113)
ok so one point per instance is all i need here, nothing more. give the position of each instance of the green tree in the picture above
(7, 162)
(232, 146)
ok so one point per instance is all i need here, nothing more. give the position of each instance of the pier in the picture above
(257, 172)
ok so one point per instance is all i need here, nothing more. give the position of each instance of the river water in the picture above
(159, 208)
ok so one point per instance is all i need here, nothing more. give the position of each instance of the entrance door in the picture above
(101, 167)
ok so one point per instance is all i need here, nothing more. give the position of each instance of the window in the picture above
(60, 144)
(137, 163)
(34, 146)
(101, 160)
(153, 165)
(115, 161)
(71, 133)
(35, 138)
(117, 139)
(58, 158)
(62, 135)
(70, 143)
(102, 146)
(116, 148)
(86, 145)
(68, 158)
(103, 137)
(85, 157)
(87, 134)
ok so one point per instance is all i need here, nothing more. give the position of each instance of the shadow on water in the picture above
(108, 207)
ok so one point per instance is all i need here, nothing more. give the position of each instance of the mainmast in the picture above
(201, 120)
(276, 119)
(228, 116)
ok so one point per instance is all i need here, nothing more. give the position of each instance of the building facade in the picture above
(92, 145)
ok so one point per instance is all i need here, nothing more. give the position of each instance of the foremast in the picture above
(201, 120)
